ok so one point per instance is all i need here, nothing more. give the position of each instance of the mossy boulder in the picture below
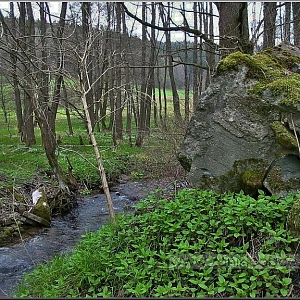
(249, 112)
(42, 208)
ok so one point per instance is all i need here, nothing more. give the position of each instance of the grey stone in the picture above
(230, 144)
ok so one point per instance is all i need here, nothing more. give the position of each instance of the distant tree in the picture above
(166, 19)
(118, 122)
(14, 58)
(143, 88)
(27, 33)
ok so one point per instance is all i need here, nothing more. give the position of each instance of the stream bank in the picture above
(40, 244)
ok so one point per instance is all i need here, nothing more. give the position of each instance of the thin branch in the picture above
(295, 133)
(169, 29)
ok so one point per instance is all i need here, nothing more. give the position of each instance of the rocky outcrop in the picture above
(244, 132)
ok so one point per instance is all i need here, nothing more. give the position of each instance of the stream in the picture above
(65, 231)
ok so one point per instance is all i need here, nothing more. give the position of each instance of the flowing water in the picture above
(61, 237)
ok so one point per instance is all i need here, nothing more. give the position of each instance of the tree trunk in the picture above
(16, 85)
(196, 89)
(70, 127)
(233, 27)
(287, 22)
(186, 77)
(95, 145)
(3, 106)
(86, 30)
(269, 24)
(296, 20)
(27, 135)
(151, 81)
(118, 104)
(143, 96)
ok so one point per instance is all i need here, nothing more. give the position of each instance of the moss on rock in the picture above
(253, 178)
(41, 208)
(293, 221)
(273, 68)
(246, 175)
(283, 136)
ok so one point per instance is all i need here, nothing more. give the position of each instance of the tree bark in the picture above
(233, 27)
(86, 30)
(296, 20)
(269, 24)
(143, 96)
(287, 22)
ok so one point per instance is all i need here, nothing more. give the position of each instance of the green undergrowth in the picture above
(195, 244)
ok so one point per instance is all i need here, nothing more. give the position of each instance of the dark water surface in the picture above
(61, 237)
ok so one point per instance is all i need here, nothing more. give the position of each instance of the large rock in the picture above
(242, 133)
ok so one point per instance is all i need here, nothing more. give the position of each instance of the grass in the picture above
(19, 164)
(193, 244)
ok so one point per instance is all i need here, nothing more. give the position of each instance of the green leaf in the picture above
(284, 292)
(221, 279)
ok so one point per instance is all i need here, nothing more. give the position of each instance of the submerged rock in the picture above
(242, 133)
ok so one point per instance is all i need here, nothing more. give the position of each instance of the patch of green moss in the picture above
(272, 68)
(253, 177)
(283, 136)
(246, 175)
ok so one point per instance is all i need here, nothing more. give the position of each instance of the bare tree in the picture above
(27, 45)
(85, 87)
(166, 23)
(143, 95)
(14, 76)
(118, 124)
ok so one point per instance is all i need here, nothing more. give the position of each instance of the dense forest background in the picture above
(111, 63)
